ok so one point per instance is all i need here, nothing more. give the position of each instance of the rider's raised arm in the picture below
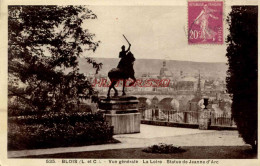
(128, 48)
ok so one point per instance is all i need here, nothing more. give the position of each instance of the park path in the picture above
(150, 135)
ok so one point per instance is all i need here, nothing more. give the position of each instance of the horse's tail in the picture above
(113, 73)
(110, 74)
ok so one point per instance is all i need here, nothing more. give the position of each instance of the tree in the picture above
(242, 73)
(44, 45)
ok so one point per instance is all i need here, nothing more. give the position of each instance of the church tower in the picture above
(198, 94)
(163, 69)
(164, 72)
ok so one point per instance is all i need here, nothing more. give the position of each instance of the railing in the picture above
(170, 116)
(221, 119)
(188, 117)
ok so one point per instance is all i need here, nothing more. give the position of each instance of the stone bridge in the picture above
(161, 97)
(163, 101)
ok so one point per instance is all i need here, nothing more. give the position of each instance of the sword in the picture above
(126, 40)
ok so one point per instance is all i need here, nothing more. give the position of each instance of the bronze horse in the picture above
(123, 72)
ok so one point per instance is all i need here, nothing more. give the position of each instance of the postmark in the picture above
(205, 22)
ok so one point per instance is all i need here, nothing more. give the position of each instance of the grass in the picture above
(192, 152)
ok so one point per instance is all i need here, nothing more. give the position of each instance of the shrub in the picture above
(51, 130)
(51, 118)
(164, 148)
(14, 110)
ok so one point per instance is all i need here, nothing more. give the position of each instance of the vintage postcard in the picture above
(120, 82)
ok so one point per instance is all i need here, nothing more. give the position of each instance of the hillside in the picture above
(154, 66)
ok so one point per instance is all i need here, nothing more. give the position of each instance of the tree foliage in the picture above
(44, 46)
(242, 73)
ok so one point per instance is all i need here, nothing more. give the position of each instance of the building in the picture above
(164, 72)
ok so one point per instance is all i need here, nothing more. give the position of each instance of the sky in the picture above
(155, 32)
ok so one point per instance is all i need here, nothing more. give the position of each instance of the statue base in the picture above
(121, 112)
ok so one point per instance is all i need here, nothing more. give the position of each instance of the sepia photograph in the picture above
(168, 84)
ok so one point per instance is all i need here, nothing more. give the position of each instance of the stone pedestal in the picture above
(204, 119)
(121, 113)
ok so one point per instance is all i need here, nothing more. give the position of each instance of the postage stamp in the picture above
(205, 23)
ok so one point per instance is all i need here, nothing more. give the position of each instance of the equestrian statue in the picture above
(124, 70)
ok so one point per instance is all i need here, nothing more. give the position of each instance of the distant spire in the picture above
(199, 88)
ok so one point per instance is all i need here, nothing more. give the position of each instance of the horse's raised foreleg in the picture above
(124, 82)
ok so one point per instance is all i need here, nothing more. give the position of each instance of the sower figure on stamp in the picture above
(124, 70)
(203, 21)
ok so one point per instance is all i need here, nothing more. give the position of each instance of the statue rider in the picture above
(126, 64)
(122, 55)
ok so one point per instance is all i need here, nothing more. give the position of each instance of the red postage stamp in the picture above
(205, 22)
